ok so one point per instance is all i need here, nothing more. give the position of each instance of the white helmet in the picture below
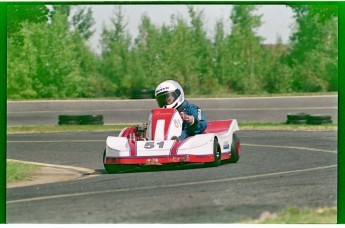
(169, 94)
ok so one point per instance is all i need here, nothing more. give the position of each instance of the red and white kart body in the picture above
(152, 145)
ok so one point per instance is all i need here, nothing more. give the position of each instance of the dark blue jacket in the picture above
(200, 122)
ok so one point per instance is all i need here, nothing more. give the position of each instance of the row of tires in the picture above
(143, 94)
(305, 118)
(81, 120)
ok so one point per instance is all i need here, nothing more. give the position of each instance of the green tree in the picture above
(47, 65)
(177, 52)
(115, 43)
(21, 67)
(278, 76)
(244, 62)
(314, 51)
(83, 21)
(204, 81)
(219, 51)
(148, 51)
(17, 14)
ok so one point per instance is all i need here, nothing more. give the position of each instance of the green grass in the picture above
(296, 215)
(119, 127)
(65, 128)
(18, 171)
(287, 127)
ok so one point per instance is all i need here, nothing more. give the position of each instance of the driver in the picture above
(169, 94)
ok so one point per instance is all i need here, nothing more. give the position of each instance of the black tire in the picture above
(68, 117)
(235, 149)
(80, 119)
(297, 118)
(319, 122)
(114, 168)
(71, 122)
(216, 154)
(143, 94)
(110, 168)
(319, 119)
(90, 118)
(68, 120)
(296, 121)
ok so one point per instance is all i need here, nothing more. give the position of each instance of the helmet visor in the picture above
(166, 98)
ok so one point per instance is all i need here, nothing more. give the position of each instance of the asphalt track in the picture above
(276, 170)
(244, 109)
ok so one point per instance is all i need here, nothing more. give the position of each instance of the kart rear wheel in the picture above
(216, 154)
(111, 169)
(235, 149)
(115, 168)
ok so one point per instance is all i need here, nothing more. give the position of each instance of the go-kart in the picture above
(152, 144)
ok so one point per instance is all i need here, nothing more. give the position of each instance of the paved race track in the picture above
(276, 170)
(245, 109)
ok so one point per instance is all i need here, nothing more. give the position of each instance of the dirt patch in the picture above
(46, 175)
(49, 173)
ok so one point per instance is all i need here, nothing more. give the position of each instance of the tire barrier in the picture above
(305, 118)
(143, 94)
(297, 118)
(81, 120)
(319, 119)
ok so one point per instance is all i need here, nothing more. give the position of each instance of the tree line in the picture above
(49, 56)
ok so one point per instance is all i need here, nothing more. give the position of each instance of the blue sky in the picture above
(277, 19)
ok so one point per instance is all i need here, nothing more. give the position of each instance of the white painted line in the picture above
(170, 185)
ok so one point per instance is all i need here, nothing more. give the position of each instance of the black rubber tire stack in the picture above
(91, 120)
(305, 118)
(297, 118)
(68, 120)
(319, 119)
(81, 120)
(143, 94)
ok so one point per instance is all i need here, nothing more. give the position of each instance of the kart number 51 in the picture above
(151, 145)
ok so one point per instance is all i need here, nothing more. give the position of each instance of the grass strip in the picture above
(287, 127)
(295, 215)
(18, 171)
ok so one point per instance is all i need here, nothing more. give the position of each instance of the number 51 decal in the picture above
(151, 145)
(154, 148)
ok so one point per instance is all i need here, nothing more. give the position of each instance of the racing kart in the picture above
(151, 144)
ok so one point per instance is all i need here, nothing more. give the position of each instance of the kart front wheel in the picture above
(235, 149)
(216, 154)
